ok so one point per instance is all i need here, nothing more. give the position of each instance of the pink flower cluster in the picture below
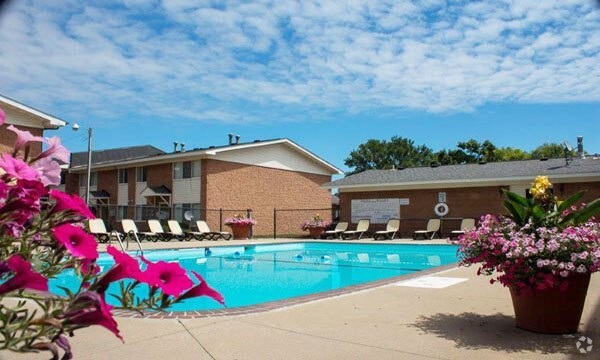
(531, 259)
(314, 223)
(240, 220)
(52, 238)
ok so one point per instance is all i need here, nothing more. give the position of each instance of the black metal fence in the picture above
(113, 214)
(287, 222)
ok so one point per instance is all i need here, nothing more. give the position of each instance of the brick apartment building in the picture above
(25, 118)
(468, 190)
(144, 182)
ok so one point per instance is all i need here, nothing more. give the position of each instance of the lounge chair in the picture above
(361, 228)
(131, 230)
(465, 225)
(337, 232)
(156, 228)
(205, 233)
(433, 227)
(98, 229)
(176, 231)
(391, 229)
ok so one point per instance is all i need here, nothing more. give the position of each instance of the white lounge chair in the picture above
(337, 232)
(131, 230)
(98, 229)
(391, 229)
(433, 226)
(204, 232)
(361, 228)
(465, 225)
(176, 231)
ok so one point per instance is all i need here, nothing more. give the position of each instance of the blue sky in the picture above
(327, 74)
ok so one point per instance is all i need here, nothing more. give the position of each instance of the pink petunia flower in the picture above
(55, 150)
(169, 277)
(2, 116)
(23, 137)
(49, 171)
(16, 168)
(126, 267)
(24, 278)
(202, 289)
(66, 202)
(79, 243)
(88, 309)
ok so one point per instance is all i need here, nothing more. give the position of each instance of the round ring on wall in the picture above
(441, 209)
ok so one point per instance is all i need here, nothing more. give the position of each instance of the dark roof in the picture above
(474, 172)
(100, 194)
(118, 154)
(156, 191)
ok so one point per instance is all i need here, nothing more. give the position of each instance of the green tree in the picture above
(381, 154)
(508, 154)
(476, 151)
(550, 150)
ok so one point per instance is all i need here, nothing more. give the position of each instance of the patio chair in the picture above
(205, 233)
(156, 228)
(433, 227)
(337, 232)
(131, 230)
(98, 229)
(176, 231)
(391, 229)
(361, 228)
(465, 225)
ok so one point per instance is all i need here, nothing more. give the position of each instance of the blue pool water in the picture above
(254, 274)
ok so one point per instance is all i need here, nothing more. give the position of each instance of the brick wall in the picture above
(462, 202)
(158, 175)
(7, 139)
(72, 183)
(107, 181)
(238, 186)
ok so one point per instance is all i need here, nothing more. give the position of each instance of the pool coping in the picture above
(279, 304)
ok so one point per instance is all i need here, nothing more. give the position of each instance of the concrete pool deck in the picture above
(471, 319)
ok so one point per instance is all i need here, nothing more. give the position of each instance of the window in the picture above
(186, 170)
(180, 209)
(121, 212)
(141, 175)
(123, 176)
(93, 179)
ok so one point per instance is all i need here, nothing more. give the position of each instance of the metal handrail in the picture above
(137, 240)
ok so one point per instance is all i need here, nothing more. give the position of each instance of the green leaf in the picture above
(518, 213)
(587, 212)
(570, 201)
(516, 198)
(538, 213)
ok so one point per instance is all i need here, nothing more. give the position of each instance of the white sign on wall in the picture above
(379, 211)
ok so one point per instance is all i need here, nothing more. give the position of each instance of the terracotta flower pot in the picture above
(552, 311)
(240, 232)
(316, 232)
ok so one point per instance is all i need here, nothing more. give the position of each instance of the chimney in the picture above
(237, 139)
(182, 147)
(175, 143)
(230, 138)
(580, 152)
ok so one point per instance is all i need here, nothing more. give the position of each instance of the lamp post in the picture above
(89, 164)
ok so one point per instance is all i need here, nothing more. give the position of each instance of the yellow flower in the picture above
(539, 187)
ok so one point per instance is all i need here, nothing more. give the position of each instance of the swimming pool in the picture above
(256, 274)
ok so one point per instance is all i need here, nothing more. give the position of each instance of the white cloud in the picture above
(286, 60)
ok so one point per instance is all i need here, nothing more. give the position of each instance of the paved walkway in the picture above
(471, 319)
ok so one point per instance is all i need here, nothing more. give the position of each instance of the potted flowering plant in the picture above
(40, 239)
(241, 226)
(544, 252)
(316, 226)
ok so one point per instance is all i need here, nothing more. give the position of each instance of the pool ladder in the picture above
(129, 235)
